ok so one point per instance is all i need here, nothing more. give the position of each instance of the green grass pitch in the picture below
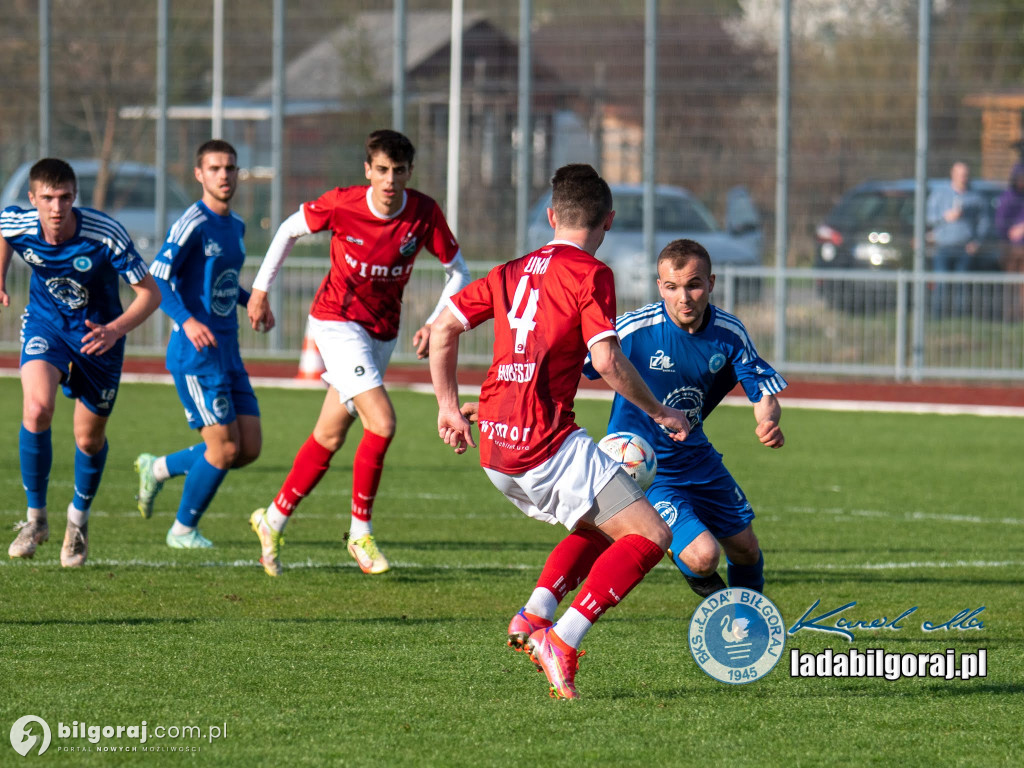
(326, 666)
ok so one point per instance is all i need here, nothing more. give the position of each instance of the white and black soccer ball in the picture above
(635, 454)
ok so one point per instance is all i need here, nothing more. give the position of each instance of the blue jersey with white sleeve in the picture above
(691, 372)
(75, 280)
(197, 272)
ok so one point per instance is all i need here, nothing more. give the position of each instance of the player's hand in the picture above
(470, 411)
(265, 322)
(5, 300)
(99, 339)
(674, 422)
(455, 430)
(198, 334)
(258, 310)
(421, 340)
(770, 433)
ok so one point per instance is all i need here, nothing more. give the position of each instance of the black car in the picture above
(872, 228)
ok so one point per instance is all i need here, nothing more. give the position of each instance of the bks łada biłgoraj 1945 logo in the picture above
(737, 635)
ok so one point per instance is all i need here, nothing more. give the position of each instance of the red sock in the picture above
(366, 472)
(571, 561)
(622, 566)
(310, 464)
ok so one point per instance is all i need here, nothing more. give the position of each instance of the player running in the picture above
(377, 231)
(197, 271)
(72, 334)
(549, 307)
(691, 354)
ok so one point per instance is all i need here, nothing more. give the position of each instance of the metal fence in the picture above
(837, 322)
(687, 93)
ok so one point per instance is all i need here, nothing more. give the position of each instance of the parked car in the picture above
(677, 214)
(872, 228)
(131, 197)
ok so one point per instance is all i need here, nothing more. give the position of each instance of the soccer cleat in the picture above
(31, 533)
(191, 540)
(521, 627)
(149, 486)
(270, 540)
(367, 556)
(556, 660)
(76, 546)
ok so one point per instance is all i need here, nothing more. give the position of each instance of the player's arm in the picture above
(768, 413)
(608, 360)
(101, 338)
(452, 426)
(165, 265)
(258, 307)
(456, 278)
(6, 253)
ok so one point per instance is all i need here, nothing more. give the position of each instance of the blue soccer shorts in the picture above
(704, 498)
(215, 398)
(91, 379)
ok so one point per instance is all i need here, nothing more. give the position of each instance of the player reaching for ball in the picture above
(549, 307)
(377, 230)
(691, 354)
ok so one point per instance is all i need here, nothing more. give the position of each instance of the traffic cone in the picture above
(311, 364)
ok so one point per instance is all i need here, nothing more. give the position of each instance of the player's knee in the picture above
(37, 416)
(90, 444)
(661, 535)
(702, 562)
(247, 454)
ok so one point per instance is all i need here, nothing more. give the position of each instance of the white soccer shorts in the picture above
(355, 361)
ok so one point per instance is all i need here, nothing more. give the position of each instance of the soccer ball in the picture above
(634, 454)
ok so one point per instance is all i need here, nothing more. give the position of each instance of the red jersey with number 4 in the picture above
(372, 255)
(548, 308)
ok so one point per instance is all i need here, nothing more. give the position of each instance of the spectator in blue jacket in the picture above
(959, 223)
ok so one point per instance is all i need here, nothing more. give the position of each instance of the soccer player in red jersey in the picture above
(376, 232)
(549, 308)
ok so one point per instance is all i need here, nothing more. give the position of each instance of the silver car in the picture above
(130, 198)
(678, 214)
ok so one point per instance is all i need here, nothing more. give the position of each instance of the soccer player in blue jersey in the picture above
(691, 354)
(197, 272)
(72, 334)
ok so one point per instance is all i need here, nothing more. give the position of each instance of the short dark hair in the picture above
(392, 143)
(580, 198)
(213, 145)
(679, 252)
(52, 172)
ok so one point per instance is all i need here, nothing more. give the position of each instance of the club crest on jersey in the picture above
(661, 362)
(68, 292)
(213, 249)
(737, 635)
(408, 245)
(31, 257)
(82, 264)
(667, 511)
(689, 400)
(716, 363)
(37, 345)
(224, 293)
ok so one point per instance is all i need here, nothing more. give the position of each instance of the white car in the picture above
(130, 198)
(677, 214)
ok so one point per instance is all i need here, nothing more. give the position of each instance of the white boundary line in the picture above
(856, 406)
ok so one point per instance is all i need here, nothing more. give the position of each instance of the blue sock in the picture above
(201, 483)
(180, 462)
(88, 473)
(36, 452)
(749, 576)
